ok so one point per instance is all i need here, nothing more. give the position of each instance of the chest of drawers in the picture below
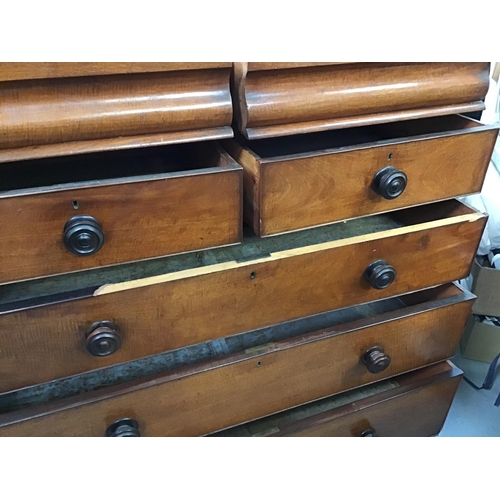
(338, 301)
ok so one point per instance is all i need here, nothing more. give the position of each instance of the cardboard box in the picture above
(486, 286)
(480, 341)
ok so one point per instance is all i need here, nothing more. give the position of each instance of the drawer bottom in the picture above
(411, 405)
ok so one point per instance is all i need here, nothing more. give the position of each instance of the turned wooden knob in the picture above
(375, 359)
(389, 182)
(125, 427)
(103, 339)
(83, 235)
(380, 274)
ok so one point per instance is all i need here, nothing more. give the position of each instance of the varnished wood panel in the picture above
(259, 66)
(182, 308)
(113, 144)
(32, 70)
(299, 190)
(40, 112)
(417, 407)
(201, 399)
(306, 99)
(141, 219)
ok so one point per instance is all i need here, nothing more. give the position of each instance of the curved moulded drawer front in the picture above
(53, 110)
(275, 100)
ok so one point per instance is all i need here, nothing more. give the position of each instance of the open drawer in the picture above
(308, 180)
(411, 405)
(254, 374)
(55, 328)
(70, 213)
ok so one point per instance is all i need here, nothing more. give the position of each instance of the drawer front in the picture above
(30, 71)
(285, 101)
(183, 308)
(297, 191)
(203, 398)
(53, 111)
(412, 405)
(132, 220)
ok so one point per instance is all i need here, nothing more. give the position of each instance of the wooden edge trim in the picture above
(240, 107)
(15, 71)
(476, 128)
(114, 144)
(357, 121)
(225, 266)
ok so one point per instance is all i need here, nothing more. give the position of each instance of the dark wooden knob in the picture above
(390, 182)
(83, 235)
(380, 274)
(375, 359)
(369, 433)
(125, 427)
(103, 339)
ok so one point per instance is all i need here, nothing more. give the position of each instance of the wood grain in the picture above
(200, 399)
(299, 190)
(417, 408)
(35, 70)
(421, 412)
(37, 112)
(113, 144)
(288, 101)
(142, 218)
(196, 305)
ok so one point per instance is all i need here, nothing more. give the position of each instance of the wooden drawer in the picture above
(307, 180)
(142, 204)
(411, 405)
(216, 294)
(408, 333)
(53, 109)
(273, 99)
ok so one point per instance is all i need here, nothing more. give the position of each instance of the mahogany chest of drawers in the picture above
(160, 277)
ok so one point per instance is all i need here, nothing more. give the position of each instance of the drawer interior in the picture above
(331, 140)
(54, 289)
(271, 425)
(202, 356)
(110, 166)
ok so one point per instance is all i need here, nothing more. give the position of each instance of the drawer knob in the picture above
(83, 235)
(125, 427)
(389, 182)
(103, 339)
(368, 433)
(380, 274)
(375, 359)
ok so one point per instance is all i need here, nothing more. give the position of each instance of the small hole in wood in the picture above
(252, 275)
(259, 363)
(389, 158)
(75, 204)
